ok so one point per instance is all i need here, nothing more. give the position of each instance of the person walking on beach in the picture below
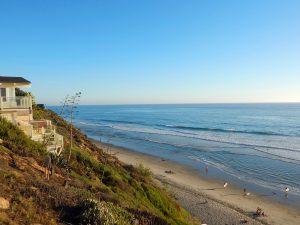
(225, 184)
(206, 170)
(286, 191)
(246, 193)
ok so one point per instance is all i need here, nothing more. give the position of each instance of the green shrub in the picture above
(88, 161)
(146, 172)
(163, 202)
(103, 213)
(17, 141)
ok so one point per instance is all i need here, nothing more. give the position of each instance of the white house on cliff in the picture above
(18, 110)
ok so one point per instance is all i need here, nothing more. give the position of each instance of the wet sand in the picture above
(206, 198)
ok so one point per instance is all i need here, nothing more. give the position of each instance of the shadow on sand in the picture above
(267, 195)
(211, 189)
(202, 203)
(233, 194)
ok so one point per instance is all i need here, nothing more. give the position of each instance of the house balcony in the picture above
(15, 103)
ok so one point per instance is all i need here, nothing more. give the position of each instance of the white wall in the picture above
(11, 92)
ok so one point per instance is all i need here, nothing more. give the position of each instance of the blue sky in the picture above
(156, 51)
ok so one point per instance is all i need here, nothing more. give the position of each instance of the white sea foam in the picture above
(285, 147)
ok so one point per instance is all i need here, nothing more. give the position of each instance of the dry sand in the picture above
(206, 198)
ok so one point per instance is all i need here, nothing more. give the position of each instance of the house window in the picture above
(3, 93)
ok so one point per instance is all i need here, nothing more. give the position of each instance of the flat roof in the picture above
(17, 80)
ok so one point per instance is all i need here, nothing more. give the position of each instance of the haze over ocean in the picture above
(252, 145)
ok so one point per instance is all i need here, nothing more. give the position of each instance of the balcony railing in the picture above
(18, 102)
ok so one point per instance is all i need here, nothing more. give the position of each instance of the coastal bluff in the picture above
(99, 189)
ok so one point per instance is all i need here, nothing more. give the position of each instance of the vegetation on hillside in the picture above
(100, 190)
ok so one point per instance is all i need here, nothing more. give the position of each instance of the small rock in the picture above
(4, 204)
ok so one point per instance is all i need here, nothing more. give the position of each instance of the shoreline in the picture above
(212, 203)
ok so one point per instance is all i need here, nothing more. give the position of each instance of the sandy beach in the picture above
(206, 198)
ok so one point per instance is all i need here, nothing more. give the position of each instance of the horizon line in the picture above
(203, 103)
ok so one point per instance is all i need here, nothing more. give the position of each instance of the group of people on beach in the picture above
(259, 211)
(286, 190)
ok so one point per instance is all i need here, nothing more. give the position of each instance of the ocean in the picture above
(256, 146)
